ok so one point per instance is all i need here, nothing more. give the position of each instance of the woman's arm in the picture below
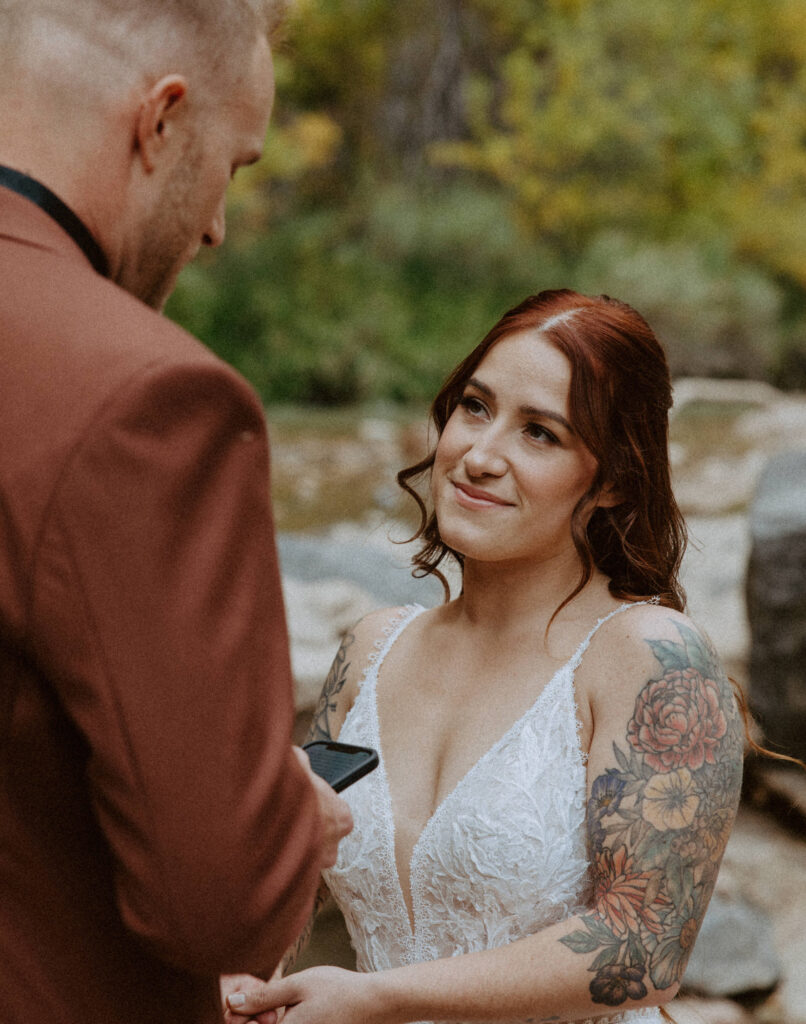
(664, 774)
(293, 953)
(662, 798)
(337, 694)
(328, 717)
(344, 678)
(325, 724)
(335, 700)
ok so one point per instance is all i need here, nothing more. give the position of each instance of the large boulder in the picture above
(319, 615)
(735, 953)
(378, 566)
(776, 602)
(329, 583)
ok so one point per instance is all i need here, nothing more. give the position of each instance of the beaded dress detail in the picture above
(503, 855)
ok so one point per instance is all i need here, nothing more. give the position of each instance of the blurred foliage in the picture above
(430, 163)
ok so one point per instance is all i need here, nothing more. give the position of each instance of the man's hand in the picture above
(337, 821)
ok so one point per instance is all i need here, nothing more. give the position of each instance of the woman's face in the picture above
(509, 468)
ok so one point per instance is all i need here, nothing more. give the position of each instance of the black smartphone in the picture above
(340, 764)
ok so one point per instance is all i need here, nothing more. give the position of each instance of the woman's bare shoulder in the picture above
(642, 644)
(376, 625)
(634, 628)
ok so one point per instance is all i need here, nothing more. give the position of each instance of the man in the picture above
(156, 826)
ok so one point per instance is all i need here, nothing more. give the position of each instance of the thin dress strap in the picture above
(575, 660)
(391, 631)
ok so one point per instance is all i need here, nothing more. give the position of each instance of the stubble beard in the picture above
(169, 239)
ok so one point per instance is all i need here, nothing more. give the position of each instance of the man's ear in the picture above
(156, 119)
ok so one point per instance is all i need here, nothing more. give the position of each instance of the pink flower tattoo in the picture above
(678, 721)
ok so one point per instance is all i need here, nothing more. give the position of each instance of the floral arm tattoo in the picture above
(320, 726)
(659, 822)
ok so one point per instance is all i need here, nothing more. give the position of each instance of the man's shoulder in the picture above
(76, 348)
(62, 321)
(127, 331)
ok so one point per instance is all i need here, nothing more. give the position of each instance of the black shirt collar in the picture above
(59, 211)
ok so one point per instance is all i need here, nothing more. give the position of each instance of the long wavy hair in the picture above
(619, 400)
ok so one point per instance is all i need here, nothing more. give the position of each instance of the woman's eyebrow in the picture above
(530, 410)
(485, 389)
(525, 410)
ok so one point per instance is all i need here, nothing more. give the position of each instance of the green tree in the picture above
(431, 162)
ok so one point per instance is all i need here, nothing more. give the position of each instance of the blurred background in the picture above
(432, 162)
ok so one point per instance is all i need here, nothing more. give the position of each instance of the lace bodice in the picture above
(501, 857)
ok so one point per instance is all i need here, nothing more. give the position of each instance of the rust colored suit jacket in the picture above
(155, 829)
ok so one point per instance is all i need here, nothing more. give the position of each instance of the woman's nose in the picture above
(485, 457)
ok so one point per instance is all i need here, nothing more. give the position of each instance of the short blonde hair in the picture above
(208, 40)
(225, 19)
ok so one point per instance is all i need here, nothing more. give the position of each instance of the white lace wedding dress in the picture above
(502, 856)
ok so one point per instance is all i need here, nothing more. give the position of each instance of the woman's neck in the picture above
(511, 597)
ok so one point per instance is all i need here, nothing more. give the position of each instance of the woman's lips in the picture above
(473, 497)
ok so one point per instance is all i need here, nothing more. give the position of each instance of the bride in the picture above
(560, 750)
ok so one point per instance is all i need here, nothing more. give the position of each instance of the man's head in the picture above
(137, 113)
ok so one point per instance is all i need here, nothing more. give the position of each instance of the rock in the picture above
(765, 867)
(713, 576)
(688, 1010)
(728, 392)
(780, 790)
(329, 583)
(720, 484)
(734, 953)
(742, 424)
(379, 567)
(781, 425)
(319, 614)
(776, 602)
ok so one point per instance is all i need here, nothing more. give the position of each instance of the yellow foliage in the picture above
(308, 142)
(673, 118)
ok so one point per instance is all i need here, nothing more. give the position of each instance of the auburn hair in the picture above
(619, 399)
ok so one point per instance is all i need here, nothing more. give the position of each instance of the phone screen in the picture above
(340, 764)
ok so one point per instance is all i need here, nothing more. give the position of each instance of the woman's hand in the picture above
(320, 995)
(230, 983)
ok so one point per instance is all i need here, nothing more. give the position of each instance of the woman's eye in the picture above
(473, 405)
(539, 433)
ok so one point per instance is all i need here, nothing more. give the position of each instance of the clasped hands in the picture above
(247, 998)
(319, 995)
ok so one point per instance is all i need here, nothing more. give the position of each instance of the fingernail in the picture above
(236, 999)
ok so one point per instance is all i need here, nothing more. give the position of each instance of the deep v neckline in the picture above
(368, 690)
(410, 904)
